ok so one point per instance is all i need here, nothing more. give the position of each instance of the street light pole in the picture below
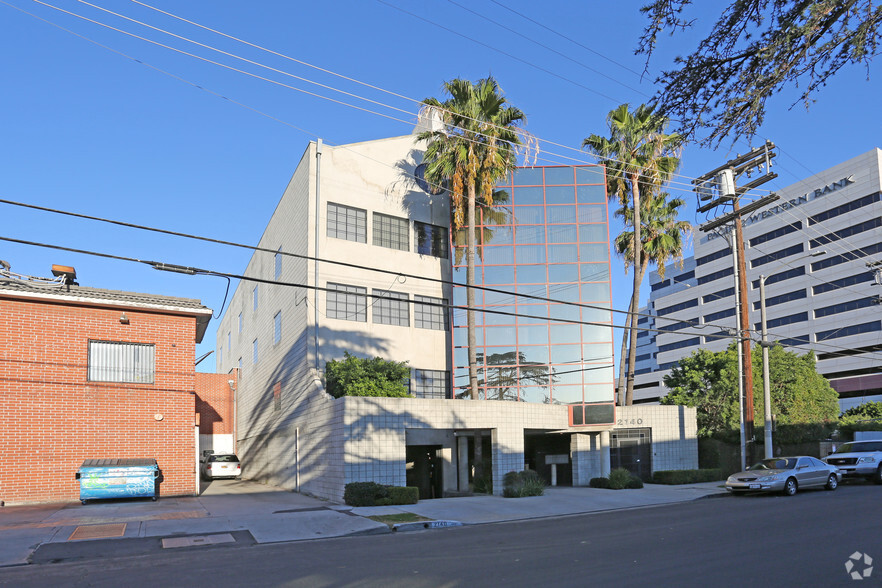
(767, 395)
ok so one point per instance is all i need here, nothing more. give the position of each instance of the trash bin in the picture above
(117, 478)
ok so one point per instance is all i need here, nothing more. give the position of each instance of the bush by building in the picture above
(373, 494)
(520, 484)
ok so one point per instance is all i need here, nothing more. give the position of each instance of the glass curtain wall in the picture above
(545, 247)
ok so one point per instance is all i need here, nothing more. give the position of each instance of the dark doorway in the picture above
(632, 449)
(537, 449)
(424, 470)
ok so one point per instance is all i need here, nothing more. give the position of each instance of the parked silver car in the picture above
(858, 459)
(221, 465)
(785, 475)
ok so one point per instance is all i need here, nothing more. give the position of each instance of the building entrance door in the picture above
(632, 449)
(424, 470)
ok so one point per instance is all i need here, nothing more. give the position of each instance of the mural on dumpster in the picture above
(109, 482)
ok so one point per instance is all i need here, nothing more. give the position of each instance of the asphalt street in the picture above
(805, 540)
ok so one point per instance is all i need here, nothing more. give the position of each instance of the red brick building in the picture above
(216, 411)
(87, 373)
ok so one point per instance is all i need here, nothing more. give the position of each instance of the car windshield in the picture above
(860, 447)
(226, 458)
(780, 463)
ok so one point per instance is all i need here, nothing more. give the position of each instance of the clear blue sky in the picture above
(174, 142)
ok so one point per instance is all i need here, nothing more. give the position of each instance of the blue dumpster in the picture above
(117, 478)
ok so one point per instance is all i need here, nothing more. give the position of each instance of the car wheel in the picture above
(878, 477)
(790, 487)
(832, 482)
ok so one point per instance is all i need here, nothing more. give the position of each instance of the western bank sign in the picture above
(794, 202)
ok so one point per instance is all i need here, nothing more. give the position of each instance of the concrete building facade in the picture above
(816, 249)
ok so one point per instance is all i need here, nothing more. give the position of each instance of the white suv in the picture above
(858, 459)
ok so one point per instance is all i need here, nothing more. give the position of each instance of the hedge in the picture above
(373, 494)
(687, 476)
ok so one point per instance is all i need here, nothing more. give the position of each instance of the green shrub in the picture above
(599, 483)
(520, 484)
(364, 493)
(404, 494)
(356, 376)
(687, 476)
(618, 478)
(483, 484)
(634, 483)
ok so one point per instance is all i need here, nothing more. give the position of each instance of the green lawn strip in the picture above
(403, 517)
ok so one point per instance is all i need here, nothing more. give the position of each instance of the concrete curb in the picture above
(420, 525)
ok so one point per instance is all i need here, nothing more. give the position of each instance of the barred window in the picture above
(348, 303)
(429, 383)
(391, 308)
(113, 361)
(346, 222)
(430, 317)
(431, 239)
(391, 232)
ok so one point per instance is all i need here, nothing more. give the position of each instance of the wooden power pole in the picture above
(719, 188)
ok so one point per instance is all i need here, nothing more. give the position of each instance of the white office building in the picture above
(313, 292)
(815, 248)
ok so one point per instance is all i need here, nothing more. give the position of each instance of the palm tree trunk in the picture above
(638, 277)
(470, 322)
(620, 387)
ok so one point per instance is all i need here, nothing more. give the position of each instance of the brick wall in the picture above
(214, 403)
(54, 418)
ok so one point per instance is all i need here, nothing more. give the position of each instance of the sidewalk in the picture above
(244, 512)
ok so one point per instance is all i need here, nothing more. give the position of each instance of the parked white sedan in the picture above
(785, 475)
(221, 465)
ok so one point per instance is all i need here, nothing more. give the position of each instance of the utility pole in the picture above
(719, 188)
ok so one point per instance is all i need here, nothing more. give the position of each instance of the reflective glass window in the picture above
(566, 394)
(591, 194)
(563, 272)
(592, 174)
(498, 235)
(563, 253)
(593, 374)
(529, 215)
(528, 176)
(562, 234)
(591, 213)
(592, 233)
(564, 375)
(561, 214)
(594, 252)
(560, 195)
(529, 234)
(594, 272)
(538, 313)
(595, 292)
(528, 196)
(596, 352)
(530, 274)
(559, 175)
(499, 335)
(562, 333)
(498, 274)
(536, 394)
(530, 254)
(494, 255)
(597, 392)
(532, 289)
(535, 354)
(564, 312)
(596, 315)
(501, 297)
(532, 335)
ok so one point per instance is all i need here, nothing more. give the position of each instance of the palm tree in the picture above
(664, 238)
(475, 149)
(637, 155)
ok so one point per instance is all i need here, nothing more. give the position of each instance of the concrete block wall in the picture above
(55, 418)
(674, 433)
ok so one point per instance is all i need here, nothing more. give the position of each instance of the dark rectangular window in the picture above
(713, 256)
(781, 276)
(781, 254)
(779, 232)
(718, 295)
(112, 361)
(677, 307)
(843, 208)
(429, 383)
(428, 316)
(679, 344)
(644, 357)
(643, 320)
(715, 276)
(873, 223)
(799, 317)
(678, 326)
(660, 285)
(715, 316)
(845, 306)
(794, 341)
(781, 299)
(667, 366)
(348, 303)
(391, 232)
(642, 334)
(846, 257)
(346, 222)
(391, 308)
(685, 276)
(431, 239)
(848, 331)
(843, 282)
